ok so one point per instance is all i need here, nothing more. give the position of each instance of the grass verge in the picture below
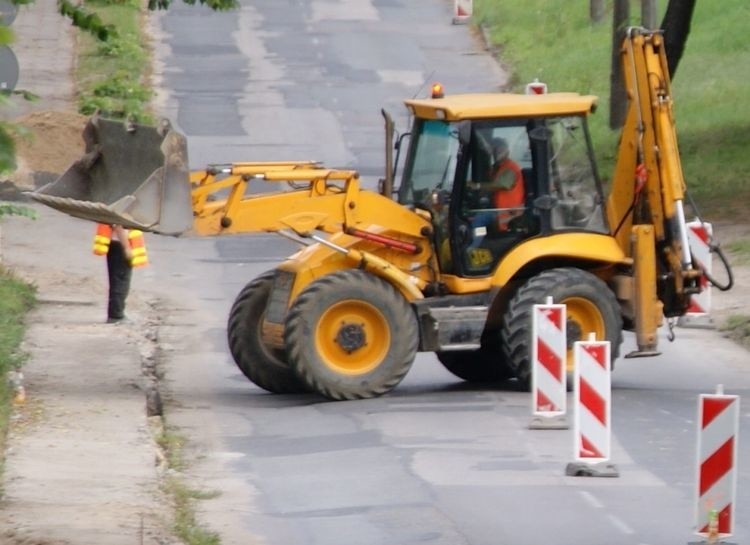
(737, 328)
(740, 251)
(17, 298)
(111, 75)
(185, 524)
(557, 43)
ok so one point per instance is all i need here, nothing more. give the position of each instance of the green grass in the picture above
(112, 75)
(16, 299)
(740, 251)
(737, 328)
(556, 42)
(185, 524)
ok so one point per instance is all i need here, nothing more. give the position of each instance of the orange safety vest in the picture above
(514, 197)
(103, 239)
(138, 246)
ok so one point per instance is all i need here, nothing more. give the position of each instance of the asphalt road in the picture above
(436, 461)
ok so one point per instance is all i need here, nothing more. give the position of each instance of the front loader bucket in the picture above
(133, 175)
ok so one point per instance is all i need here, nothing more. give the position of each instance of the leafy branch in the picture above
(9, 209)
(216, 5)
(86, 20)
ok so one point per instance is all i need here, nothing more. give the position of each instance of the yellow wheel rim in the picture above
(352, 337)
(583, 318)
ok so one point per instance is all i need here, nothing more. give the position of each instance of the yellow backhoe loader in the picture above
(437, 264)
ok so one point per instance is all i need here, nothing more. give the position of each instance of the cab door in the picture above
(482, 237)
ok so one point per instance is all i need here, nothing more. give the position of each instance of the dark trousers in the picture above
(119, 271)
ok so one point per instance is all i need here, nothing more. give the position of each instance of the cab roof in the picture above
(500, 105)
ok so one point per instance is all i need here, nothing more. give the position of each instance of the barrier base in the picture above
(461, 20)
(554, 422)
(696, 321)
(707, 542)
(582, 469)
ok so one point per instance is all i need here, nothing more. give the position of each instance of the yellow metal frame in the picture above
(322, 200)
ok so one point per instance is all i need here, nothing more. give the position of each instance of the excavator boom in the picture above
(645, 205)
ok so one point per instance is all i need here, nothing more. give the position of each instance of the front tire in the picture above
(351, 335)
(265, 366)
(591, 307)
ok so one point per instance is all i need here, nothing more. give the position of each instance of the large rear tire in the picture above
(351, 335)
(590, 307)
(265, 366)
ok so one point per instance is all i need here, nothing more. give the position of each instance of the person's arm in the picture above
(504, 179)
(122, 235)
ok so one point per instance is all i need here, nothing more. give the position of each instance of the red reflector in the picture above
(536, 88)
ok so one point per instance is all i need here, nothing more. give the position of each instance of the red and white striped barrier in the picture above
(549, 350)
(699, 235)
(592, 428)
(462, 11)
(592, 423)
(718, 426)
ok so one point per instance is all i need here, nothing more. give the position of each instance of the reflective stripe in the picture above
(138, 247)
(102, 239)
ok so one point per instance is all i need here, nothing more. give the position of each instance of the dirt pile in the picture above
(49, 141)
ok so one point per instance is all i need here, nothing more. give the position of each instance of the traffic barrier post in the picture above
(699, 312)
(462, 11)
(592, 422)
(716, 466)
(548, 377)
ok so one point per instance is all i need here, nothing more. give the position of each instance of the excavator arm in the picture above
(323, 199)
(645, 206)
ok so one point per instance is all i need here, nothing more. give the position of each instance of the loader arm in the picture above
(323, 199)
(645, 205)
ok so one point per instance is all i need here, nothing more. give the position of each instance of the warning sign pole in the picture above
(548, 378)
(592, 425)
(699, 313)
(462, 10)
(716, 471)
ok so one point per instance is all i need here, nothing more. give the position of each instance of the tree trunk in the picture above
(648, 14)
(618, 99)
(676, 27)
(596, 10)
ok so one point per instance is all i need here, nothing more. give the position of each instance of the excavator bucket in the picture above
(133, 175)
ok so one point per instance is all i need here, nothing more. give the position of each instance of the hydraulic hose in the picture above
(713, 248)
(716, 249)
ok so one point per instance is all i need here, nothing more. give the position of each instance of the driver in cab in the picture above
(506, 183)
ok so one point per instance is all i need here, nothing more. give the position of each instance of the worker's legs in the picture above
(119, 281)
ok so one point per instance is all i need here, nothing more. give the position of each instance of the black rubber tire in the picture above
(564, 285)
(483, 365)
(266, 367)
(351, 306)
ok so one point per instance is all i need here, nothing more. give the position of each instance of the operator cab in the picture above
(496, 170)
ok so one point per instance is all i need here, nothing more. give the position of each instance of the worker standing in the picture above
(125, 249)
